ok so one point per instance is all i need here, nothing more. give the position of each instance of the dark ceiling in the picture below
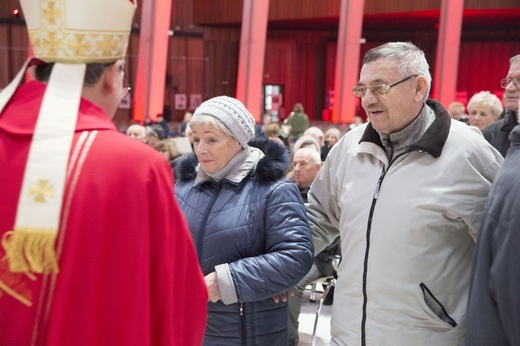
(423, 20)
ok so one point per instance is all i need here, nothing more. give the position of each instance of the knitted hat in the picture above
(233, 114)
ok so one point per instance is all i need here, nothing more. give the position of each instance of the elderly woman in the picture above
(484, 109)
(248, 224)
(332, 136)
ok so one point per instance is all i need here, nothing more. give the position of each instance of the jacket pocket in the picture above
(436, 306)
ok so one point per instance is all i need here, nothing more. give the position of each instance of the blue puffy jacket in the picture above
(259, 228)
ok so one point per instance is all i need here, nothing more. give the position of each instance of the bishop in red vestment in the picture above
(119, 267)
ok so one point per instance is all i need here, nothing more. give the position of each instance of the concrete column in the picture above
(347, 60)
(252, 54)
(448, 46)
(152, 58)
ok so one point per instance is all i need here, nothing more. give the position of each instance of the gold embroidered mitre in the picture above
(79, 31)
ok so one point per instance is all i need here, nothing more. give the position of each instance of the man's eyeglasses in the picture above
(379, 89)
(506, 81)
(127, 88)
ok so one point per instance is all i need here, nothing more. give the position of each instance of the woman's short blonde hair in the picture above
(487, 99)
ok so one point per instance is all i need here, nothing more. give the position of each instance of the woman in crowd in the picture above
(332, 136)
(272, 132)
(169, 150)
(248, 224)
(484, 109)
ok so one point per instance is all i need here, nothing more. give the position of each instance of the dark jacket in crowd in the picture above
(494, 300)
(497, 134)
(262, 233)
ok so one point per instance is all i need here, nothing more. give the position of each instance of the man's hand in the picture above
(212, 286)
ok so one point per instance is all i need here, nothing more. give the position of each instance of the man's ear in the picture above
(111, 77)
(421, 87)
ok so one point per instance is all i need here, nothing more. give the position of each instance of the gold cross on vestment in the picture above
(42, 190)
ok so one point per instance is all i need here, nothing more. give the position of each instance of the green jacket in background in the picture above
(299, 122)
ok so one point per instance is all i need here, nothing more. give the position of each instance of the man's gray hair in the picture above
(141, 129)
(407, 58)
(315, 156)
(514, 59)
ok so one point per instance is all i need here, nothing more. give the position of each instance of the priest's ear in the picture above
(112, 78)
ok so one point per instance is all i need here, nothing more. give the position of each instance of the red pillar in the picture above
(448, 46)
(347, 60)
(252, 53)
(152, 58)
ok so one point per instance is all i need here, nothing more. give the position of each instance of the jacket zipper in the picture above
(204, 220)
(243, 321)
(365, 262)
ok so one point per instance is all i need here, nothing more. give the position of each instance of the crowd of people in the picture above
(103, 245)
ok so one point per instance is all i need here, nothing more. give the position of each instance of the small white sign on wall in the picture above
(195, 100)
(180, 101)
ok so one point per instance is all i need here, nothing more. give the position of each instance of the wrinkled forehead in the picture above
(378, 71)
(514, 70)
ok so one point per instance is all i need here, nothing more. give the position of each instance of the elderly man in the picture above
(95, 247)
(137, 132)
(306, 165)
(498, 133)
(406, 193)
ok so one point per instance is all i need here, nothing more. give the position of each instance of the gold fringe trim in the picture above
(30, 250)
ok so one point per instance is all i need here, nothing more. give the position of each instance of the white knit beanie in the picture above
(232, 113)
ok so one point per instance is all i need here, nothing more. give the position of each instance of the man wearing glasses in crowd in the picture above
(406, 193)
(498, 133)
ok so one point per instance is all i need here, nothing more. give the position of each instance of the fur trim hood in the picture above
(273, 166)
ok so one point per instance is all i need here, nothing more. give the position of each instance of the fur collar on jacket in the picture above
(273, 166)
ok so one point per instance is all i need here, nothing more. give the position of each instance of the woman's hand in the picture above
(212, 286)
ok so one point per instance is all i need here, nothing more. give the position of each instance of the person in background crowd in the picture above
(272, 132)
(160, 120)
(484, 109)
(169, 150)
(297, 122)
(306, 142)
(137, 131)
(95, 250)
(357, 121)
(385, 191)
(305, 166)
(154, 134)
(185, 123)
(494, 303)
(260, 128)
(318, 135)
(332, 136)
(247, 221)
(498, 133)
(458, 111)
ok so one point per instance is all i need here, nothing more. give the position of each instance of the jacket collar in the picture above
(432, 141)
(510, 121)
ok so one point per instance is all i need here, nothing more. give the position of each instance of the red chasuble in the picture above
(129, 274)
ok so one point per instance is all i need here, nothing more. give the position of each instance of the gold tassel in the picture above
(30, 250)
